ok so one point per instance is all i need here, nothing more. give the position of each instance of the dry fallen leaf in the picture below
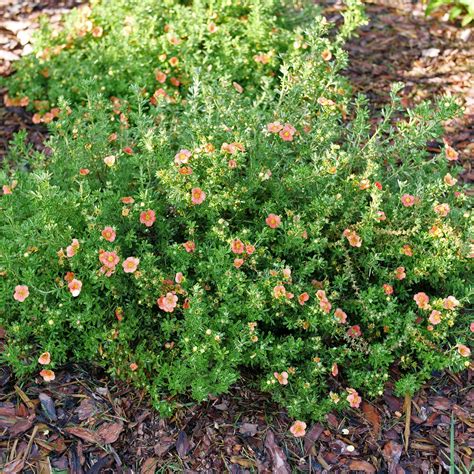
(85, 434)
(182, 445)
(391, 453)
(14, 466)
(280, 464)
(20, 427)
(86, 409)
(373, 417)
(110, 432)
(362, 466)
(48, 406)
(248, 429)
(244, 462)
(149, 466)
(312, 436)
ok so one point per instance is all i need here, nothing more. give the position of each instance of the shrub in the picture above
(270, 230)
(158, 45)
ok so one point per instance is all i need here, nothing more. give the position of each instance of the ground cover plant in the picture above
(268, 228)
(158, 46)
(458, 9)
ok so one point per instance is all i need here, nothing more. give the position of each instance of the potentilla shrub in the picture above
(159, 45)
(272, 231)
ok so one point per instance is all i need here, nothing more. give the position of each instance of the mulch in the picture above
(85, 422)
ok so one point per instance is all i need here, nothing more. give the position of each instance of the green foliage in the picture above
(457, 9)
(313, 233)
(114, 44)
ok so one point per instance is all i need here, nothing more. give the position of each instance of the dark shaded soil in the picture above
(84, 422)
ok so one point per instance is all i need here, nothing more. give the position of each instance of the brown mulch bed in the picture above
(84, 422)
(429, 55)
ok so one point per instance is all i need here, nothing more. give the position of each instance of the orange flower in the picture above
(303, 298)
(326, 55)
(442, 209)
(157, 95)
(435, 317)
(449, 180)
(340, 315)
(279, 291)
(388, 289)
(463, 350)
(69, 276)
(326, 306)
(44, 358)
(400, 273)
(273, 221)
(282, 378)
(435, 231)
(133, 366)
(175, 82)
(148, 217)
(262, 58)
(451, 153)
(353, 398)
(352, 237)
(108, 233)
(182, 157)
(334, 370)
(109, 259)
(237, 246)
(130, 264)
(354, 331)
(238, 262)
(160, 76)
(287, 132)
(21, 293)
(408, 200)
(249, 249)
(48, 375)
(197, 196)
(97, 31)
(75, 287)
(407, 250)
(109, 160)
(422, 300)
(450, 302)
(190, 246)
(321, 295)
(167, 303)
(274, 127)
(298, 429)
